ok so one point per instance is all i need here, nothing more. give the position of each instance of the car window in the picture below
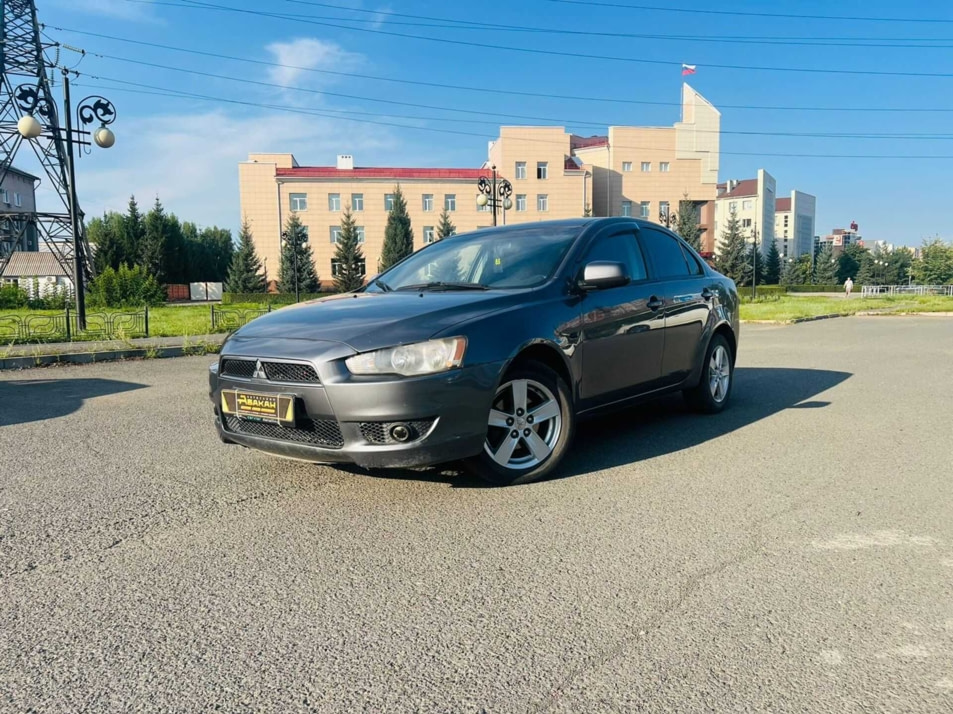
(619, 248)
(665, 252)
(694, 267)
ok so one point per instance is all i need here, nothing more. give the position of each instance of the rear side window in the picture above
(665, 253)
(620, 248)
(694, 267)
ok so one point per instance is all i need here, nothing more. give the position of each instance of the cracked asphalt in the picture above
(793, 554)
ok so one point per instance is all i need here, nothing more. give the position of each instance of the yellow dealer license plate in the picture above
(271, 408)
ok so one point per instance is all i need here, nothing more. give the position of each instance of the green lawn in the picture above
(792, 307)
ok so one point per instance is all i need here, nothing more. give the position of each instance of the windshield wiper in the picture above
(382, 285)
(444, 286)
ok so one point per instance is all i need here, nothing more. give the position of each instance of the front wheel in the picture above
(711, 394)
(529, 427)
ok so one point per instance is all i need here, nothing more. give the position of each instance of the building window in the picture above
(627, 208)
(357, 201)
(542, 202)
(746, 205)
(17, 199)
(733, 207)
(428, 202)
(746, 223)
(663, 208)
(786, 220)
(388, 202)
(450, 202)
(334, 202)
(644, 209)
(360, 233)
(484, 208)
(626, 166)
(336, 267)
(542, 170)
(646, 166)
(520, 169)
(664, 167)
(299, 201)
(429, 236)
(521, 202)
(335, 234)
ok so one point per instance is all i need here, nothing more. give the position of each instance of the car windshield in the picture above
(500, 258)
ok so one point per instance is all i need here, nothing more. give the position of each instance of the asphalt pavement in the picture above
(794, 554)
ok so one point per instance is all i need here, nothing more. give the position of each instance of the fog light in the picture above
(400, 432)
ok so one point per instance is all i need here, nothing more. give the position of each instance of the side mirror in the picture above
(603, 274)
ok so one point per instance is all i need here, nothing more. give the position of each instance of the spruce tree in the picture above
(245, 274)
(349, 257)
(296, 239)
(825, 267)
(106, 234)
(133, 233)
(772, 265)
(153, 245)
(754, 262)
(732, 258)
(398, 235)
(445, 228)
(686, 224)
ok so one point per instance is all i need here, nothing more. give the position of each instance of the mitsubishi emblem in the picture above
(259, 372)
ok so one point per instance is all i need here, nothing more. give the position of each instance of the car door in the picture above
(681, 283)
(621, 327)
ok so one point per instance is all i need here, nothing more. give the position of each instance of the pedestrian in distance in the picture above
(848, 286)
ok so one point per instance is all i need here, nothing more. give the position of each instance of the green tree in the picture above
(126, 287)
(445, 228)
(348, 256)
(106, 235)
(825, 267)
(848, 262)
(153, 244)
(175, 258)
(732, 258)
(133, 234)
(296, 241)
(686, 223)
(898, 266)
(218, 248)
(935, 264)
(797, 272)
(245, 274)
(754, 263)
(772, 265)
(398, 235)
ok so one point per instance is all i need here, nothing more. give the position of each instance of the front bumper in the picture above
(448, 413)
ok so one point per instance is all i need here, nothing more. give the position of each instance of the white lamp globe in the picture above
(104, 137)
(507, 204)
(29, 127)
(482, 200)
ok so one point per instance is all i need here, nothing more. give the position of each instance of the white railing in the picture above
(876, 290)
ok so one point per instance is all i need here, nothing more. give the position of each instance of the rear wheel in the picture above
(718, 370)
(529, 427)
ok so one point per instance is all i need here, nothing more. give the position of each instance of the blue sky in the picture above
(186, 149)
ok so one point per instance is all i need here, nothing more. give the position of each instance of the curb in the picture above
(31, 361)
(793, 321)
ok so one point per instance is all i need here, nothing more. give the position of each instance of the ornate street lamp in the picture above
(496, 194)
(91, 110)
(296, 242)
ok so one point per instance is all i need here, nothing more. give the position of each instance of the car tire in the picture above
(713, 390)
(535, 404)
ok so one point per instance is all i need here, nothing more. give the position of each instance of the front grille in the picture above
(378, 432)
(323, 432)
(274, 371)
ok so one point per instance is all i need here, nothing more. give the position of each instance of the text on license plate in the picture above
(272, 408)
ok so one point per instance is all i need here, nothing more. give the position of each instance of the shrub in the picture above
(266, 298)
(126, 287)
(12, 297)
(820, 288)
(56, 299)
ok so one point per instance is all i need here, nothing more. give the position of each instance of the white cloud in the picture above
(191, 161)
(306, 53)
(380, 16)
(119, 9)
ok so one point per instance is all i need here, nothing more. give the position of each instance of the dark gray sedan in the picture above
(485, 347)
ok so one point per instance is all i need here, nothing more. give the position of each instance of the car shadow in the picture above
(663, 426)
(25, 401)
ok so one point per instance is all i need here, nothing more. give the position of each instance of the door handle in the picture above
(654, 303)
(707, 294)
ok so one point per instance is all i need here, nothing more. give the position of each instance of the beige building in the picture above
(752, 202)
(635, 171)
(794, 220)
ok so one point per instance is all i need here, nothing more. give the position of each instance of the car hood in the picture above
(368, 321)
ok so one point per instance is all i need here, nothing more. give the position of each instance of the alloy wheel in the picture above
(719, 373)
(524, 425)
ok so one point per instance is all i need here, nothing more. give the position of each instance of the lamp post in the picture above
(496, 193)
(295, 240)
(90, 110)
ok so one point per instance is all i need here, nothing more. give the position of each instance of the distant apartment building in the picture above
(794, 222)
(17, 206)
(838, 239)
(630, 171)
(752, 202)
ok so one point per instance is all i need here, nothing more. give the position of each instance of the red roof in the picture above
(380, 173)
(570, 165)
(587, 142)
(748, 187)
(783, 204)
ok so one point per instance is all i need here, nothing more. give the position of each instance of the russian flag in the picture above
(688, 69)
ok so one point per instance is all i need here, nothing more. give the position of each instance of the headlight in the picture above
(410, 360)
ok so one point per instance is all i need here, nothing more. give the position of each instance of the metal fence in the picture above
(64, 327)
(875, 290)
(232, 319)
